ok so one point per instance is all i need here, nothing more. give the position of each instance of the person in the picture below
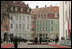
(56, 40)
(19, 39)
(15, 42)
(40, 40)
(35, 40)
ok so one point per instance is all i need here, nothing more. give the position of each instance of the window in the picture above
(37, 28)
(51, 28)
(28, 26)
(46, 28)
(16, 26)
(56, 15)
(40, 28)
(23, 18)
(21, 9)
(15, 8)
(43, 35)
(20, 2)
(28, 18)
(20, 18)
(48, 16)
(56, 28)
(46, 22)
(44, 15)
(40, 22)
(11, 26)
(43, 28)
(52, 22)
(11, 8)
(11, 17)
(66, 2)
(13, 1)
(23, 26)
(20, 26)
(46, 35)
(17, 17)
(28, 10)
(39, 16)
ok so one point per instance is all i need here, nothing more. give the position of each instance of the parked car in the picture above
(25, 40)
(31, 40)
(45, 39)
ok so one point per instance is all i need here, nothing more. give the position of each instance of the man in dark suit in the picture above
(40, 39)
(15, 42)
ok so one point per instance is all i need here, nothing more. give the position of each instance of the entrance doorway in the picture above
(5, 36)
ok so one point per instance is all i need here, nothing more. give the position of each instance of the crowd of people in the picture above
(15, 40)
(38, 40)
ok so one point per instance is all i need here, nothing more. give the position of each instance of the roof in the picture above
(46, 9)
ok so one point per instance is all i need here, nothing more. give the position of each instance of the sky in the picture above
(33, 4)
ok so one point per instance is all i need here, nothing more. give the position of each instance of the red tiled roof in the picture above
(47, 9)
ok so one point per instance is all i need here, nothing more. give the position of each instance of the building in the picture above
(18, 20)
(46, 21)
(4, 20)
(20, 23)
(65, 19)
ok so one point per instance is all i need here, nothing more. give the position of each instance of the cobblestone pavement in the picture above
(24, 45)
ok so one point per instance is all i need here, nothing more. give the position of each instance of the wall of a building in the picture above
(46, 18)
(24, 31)
(61, 24)
(64, 17)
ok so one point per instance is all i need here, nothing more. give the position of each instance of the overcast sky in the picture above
(32, 4)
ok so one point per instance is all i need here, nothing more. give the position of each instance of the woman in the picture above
(56, 40)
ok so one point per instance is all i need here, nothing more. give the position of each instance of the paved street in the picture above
(24, 45)
(27, 45)
(51, 45)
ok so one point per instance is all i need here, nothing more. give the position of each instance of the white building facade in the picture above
(20, 20)
(21, 25)
(65, 17)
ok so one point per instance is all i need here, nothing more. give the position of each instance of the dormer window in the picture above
(28, 10)
(11, 8)
(13, 1)
(21, 9)
(20, 2)
(15, 8)
(56, 15)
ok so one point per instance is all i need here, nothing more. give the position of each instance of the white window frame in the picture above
(28, 10)
(11, 8)
(56, 15)
(15, 8)
(21, 9)
(13, 1)
(11, 25)
(51, 28)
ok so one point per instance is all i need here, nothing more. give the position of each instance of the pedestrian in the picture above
(40, 39)
(35, 40)
(19, 39)
(56, 40)
(15, 41)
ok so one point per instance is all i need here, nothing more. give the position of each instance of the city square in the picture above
(27, 24)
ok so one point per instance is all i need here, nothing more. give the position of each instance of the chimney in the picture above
(45, 5)
(36, 6)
